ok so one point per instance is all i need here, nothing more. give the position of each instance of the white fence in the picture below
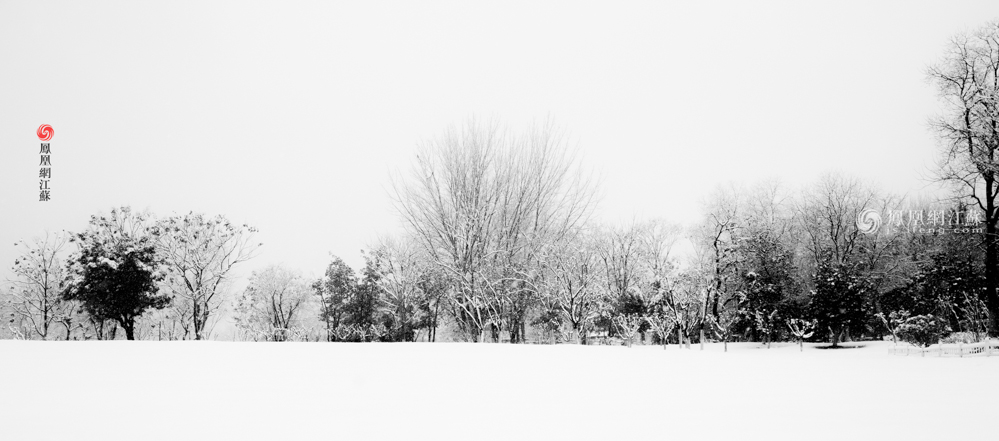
(981, 349)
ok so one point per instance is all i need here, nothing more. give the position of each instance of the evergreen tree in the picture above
(335, 290)
(115, 272)
(838, 299)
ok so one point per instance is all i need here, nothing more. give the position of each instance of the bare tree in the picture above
(201, 253)
(627, 325)
(620, 252)
(828, 216)
(661, 325)
(572, 277)
(484, 205)
(271, 302)
(716, 242)
(662, 276)
(967, 80)
(39, 280)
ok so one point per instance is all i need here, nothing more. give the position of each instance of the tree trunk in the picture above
(991, 298)
(129, 330)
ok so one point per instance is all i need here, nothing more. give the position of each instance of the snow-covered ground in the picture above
(454, 391)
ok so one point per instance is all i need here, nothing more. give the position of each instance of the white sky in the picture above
(290, 116)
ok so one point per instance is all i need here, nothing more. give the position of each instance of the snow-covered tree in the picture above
(627, 327)
(115, 272)
(484, 204)
(661, 325)
(36, 289)
(335, 290)
(838, 299)
(801, 329)
(571, 282)
(201, 252)
(272, 302)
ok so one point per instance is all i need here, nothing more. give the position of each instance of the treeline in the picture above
(127, 273)
(500, 245)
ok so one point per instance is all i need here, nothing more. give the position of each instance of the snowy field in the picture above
(454, 391)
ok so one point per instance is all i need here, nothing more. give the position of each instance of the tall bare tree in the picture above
(716, 241)
(967, 80)
(484, 204)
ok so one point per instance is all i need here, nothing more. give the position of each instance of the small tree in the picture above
(766, 323)
(723, 325)
(892, 322)
(801, 329)
(661, 325)
(627, 325)
(976, 317)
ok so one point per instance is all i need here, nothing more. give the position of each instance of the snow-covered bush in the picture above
(923, 330)
(960, 337)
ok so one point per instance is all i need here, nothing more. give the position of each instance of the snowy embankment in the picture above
(308, 391)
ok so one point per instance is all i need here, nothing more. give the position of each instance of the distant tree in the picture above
(115, 272)
(335, 290)
(271, 301)
(401, 266)
(38, 282)
(717, 239)
(571, 279)
(201, 253)
(433, 288)
(827, 214)
(768, 283)
(364, 309)
(838, 300)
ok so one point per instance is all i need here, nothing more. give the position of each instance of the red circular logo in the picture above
(45, 132)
